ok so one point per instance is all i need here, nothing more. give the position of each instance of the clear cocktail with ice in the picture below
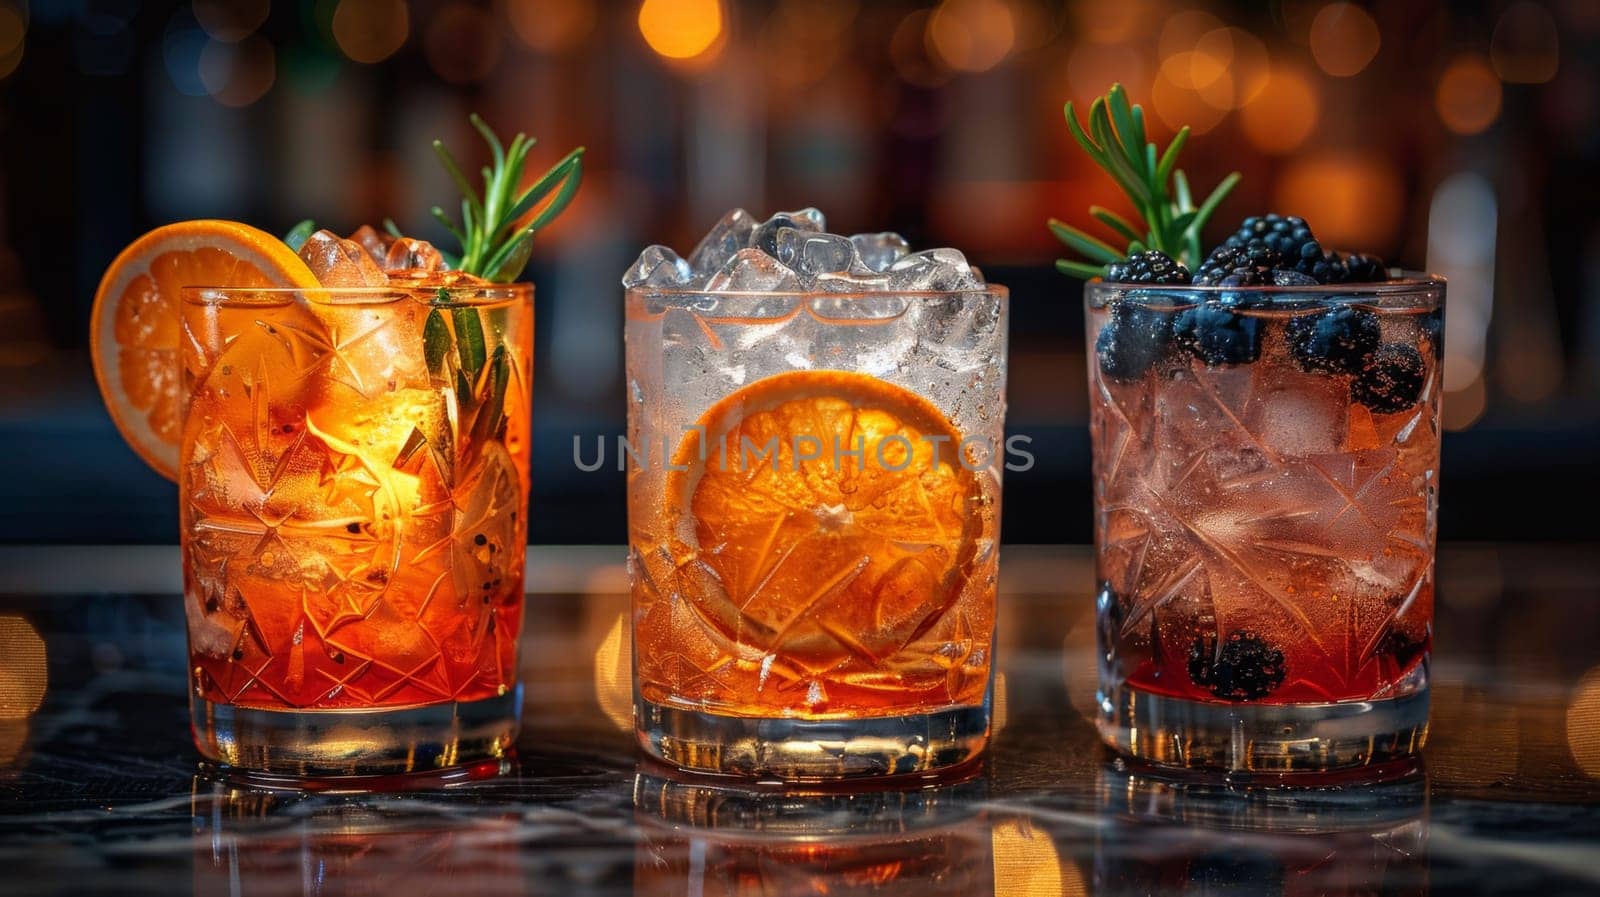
(817, 426)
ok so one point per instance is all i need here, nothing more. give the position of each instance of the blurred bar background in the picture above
(1460, 138)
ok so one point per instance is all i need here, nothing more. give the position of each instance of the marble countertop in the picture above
(100, 791)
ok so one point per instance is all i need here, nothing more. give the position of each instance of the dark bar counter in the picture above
(101, 792)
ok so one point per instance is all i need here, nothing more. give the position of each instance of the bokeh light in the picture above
(972, 35)
(1092, 67)
(1177, 106)
(1344, 39)
(1526, 46)
(13, 29)
(1583, 723)
(809, 36)
(24, 673)
(1113, 23)
(461, 43)
(1026, 862)
(371, 30)
(908, 52)
(1176, 47)
(1462, 221)
(1284, 114)
(181, 47)
(613, 674)
(551, 26)
(230, 21)
(1354, 198)
(238, 74)
(681, 29)
(1468, 98)
(1243, 72)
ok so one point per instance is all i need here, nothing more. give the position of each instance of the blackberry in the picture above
(1218, 335)
(1289, 277)
(1246, 668)
(1289, 236)
(1392, 379)
(1238, 266)
(1134, 338)
(1363, 268)
(1402, 647)
(1152, 266)
(1337, 341)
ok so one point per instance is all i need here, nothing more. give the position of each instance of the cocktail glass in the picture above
(354, 485)
(1266, 470)
(814, 497)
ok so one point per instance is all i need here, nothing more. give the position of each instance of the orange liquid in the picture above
(353, 525)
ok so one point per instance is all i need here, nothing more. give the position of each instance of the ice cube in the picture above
(812, 254)
(765, 237)
(375, 241)
(751, 270)
(407, 254)
(727, 237)
(658, 266)
(850, 282)
(1299, 420)
(338, 262)
(934, 269)
(879, 251)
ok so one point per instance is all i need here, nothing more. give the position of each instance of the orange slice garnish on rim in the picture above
(135, 325)
(815, 562)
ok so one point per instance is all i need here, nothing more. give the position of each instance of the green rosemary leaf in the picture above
(435, 342)
(506, 265)
(1114, 221)
(468, 195)
(1079, 269)
(573, 164)
(489, 138)
(442, 218)
(463, 389)
(391, 228)
(1089, 146)
(1215, 199)
(1116, 157)
(499, 379)
(1089, 246)
(1180, 185)
(1132, 138)
(299, 234)
(469, 340)
(1169, 159)
(1176, 229)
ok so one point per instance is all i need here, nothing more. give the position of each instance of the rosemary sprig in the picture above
(1168, 218)
(495, 241)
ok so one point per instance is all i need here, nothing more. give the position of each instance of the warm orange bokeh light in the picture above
(1468, 99)
(551, 26)
(1344, 39)
(681, 29)
(1284, 114)
(12, 30)
(370, 30)
(1354, 198)
(1177, 106)
(24, 675)
(1583, 723)
(972, 35)
(1026, 862)
(908, 52)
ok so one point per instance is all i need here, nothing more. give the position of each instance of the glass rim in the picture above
(997, 290)
(1407, 282)
(460, 296)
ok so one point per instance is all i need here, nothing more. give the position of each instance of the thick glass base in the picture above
(328, 743)
(796, 750)
(1263, 738)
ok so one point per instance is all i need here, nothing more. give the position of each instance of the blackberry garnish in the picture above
(1151, 266)
(1401, 646)
(1132, 340)
(1233, 266)
(1363, 268)
(1392, 379)
(1290, 237)
(1337, 341)
(1217, 335)
(1246, 668)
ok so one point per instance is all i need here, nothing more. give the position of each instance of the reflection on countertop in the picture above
(100, 791)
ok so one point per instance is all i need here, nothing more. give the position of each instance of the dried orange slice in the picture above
(134, 327)
(812, 562)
